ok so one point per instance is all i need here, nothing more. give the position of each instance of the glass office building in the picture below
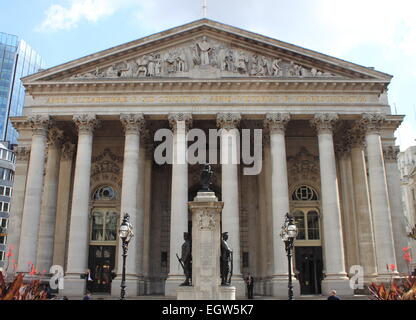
(17, 60)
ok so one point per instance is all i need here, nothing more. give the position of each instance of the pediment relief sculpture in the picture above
(203, 55)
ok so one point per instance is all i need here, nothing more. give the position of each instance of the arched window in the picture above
(304, 193)
(105, 193)
(307, 222)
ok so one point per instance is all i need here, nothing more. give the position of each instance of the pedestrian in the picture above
(87, 296)
(333, 296)
(250, 285)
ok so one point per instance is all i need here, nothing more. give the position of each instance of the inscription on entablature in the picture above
(210, 99)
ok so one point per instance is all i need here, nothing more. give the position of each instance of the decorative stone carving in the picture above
(68, 151)
(324, 122)
(133, 123)
(40, 123)
(206, 220)
(55, 137)
(85, 123)
(228, 120)
(303, 166)
(390, 153)
(357, 137)
(276, 122)
(184, 60)
(343, 148)
(107, 153)
(174, 118)
(22, 153)
(372, 122)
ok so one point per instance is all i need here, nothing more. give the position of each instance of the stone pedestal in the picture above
(206, 248)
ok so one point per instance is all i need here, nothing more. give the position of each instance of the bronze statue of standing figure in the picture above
(206, 176)
(186, 259)
(226, 263)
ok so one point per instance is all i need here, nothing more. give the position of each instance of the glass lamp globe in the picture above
(292, 231)
(124, 231)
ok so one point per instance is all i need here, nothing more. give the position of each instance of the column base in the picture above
(74, 286)
(172, 283)
(279, 287)
(134, 287)
(340, 284)
(222, 293)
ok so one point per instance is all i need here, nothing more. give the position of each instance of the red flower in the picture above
(9, 253)
(406, 249)
(392, 267)
(32, 271)
(407, 257)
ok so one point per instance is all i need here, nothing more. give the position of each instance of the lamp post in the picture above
(125, 233)
(288, 235)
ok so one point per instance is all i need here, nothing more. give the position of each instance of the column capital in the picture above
(55, 137)
(277, 122)
(229, 120)
(357, 137)
(343, 148)
(40, 123)
(133, 123)
(86, 123)
(390, 153)
(174, 118)
(372, 122)
(22, 153)
(324, 122)
(68, 151)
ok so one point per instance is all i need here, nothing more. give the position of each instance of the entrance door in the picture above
(309, 267)
(101, 263)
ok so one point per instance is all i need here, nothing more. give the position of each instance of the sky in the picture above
(372, 33)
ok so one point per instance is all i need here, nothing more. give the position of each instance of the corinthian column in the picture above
(276, 124)
(50, 193)
(398, 218)
(79, 226)
(380, 204)
(336, 277)
(365, 232)
(179, 122)
(16, 207)
(33, 194)
(133, 125)
(228, 122)
(64, 191)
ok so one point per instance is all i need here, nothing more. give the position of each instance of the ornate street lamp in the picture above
(125, 233)
(288, 235)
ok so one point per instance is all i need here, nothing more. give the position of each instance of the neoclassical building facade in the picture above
(86, 156)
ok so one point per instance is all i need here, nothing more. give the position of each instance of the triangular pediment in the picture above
(205, 49)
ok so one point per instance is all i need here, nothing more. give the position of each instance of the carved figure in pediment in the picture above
(229, 61)
(276, 68)
(170, 61)
(204, 48)
(242, 61)
(130, 70)
(111, 72)
(180, 61)
(151, 66)
(294, 70)
(142, 63)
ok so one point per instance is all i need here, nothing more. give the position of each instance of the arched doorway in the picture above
(308, 245)
(103, 239)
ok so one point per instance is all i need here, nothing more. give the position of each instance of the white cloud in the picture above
(65, 18)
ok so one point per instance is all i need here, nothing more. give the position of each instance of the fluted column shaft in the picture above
(276, 124)
(79, 227)
(133, 125)
(334, 248)
(362, 208)
(179, 197)
(228, 122)
(49, 201)
(380, 204)
(63, 200)
(33, 194)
